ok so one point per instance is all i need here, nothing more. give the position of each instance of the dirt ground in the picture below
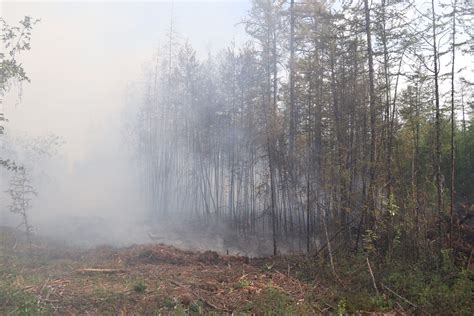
(49, 278)
(148, 279)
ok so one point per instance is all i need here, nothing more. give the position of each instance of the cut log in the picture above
(96, 270)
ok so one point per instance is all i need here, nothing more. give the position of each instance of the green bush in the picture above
(273, 302)
(139, 286)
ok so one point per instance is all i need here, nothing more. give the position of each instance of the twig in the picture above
(41, 291)
(401, 307)
(299, 284)
(329, 248)
(372, 275)
(317, 307)
(243, 276)
(177, 283)
(355, 270)
(330, 306)
(398, 295)
(212, 305)
(44, 285)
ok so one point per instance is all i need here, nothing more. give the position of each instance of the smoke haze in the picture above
(85, 62)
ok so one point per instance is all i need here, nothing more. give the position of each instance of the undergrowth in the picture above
(421, 287)
(17, 302)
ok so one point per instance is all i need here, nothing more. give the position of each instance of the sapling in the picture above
(21, 192)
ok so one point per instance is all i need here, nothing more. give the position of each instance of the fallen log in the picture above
(97, 270)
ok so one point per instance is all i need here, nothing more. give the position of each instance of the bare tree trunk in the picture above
(292, 131)
(388, 131)
(372, 161)
(439, 192)
(453, 129)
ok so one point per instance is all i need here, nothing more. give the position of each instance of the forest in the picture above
(332, 152)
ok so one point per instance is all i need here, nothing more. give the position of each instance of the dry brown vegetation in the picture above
(144, 279)
(47, 278)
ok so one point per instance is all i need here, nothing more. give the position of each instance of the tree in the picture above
(15, 39)
(453, 126)
(372, 111)
(21, 192)
(336, 147)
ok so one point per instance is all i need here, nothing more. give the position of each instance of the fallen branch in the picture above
(178, 284)
(372, 275)
(106, 271)
(398, 295)
(329, 248)
(41, 290)
(213, 306)
(44, 285)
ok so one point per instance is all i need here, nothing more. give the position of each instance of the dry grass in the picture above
(143, 279)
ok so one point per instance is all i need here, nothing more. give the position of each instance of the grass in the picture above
(445, 290)
(14, 299)
(17, 302)
(265, 290)
(273, 302)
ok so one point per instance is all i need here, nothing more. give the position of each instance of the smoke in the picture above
(86, 86)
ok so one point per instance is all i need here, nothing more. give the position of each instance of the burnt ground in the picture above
(143, 280)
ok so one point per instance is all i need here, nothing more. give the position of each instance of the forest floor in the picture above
(144, 279)
(158, 279)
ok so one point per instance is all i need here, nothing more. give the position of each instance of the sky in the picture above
(85, 55)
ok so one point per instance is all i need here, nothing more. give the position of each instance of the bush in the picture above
(139, 286)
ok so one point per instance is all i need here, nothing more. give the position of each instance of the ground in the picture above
(143, 279)
(156, 279)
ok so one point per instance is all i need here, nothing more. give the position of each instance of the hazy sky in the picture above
(85, 56)
(85, 53)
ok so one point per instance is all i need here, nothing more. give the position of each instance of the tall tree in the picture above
(372, 111)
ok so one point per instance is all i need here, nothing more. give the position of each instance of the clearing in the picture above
(143, 279)
(156, 279)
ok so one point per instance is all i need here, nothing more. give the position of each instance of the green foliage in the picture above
(444, 291)
(169, 303)
(465, 163)
(370, 237)
(176, 308)
(17, 302)
(15, 39)
(242, 284)
(449, 296)
(381, 302)
(196, 308)
(392, 207)
(273, 302)
(139, 286)
(438, 290)
(179, 309)
(341, 307)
